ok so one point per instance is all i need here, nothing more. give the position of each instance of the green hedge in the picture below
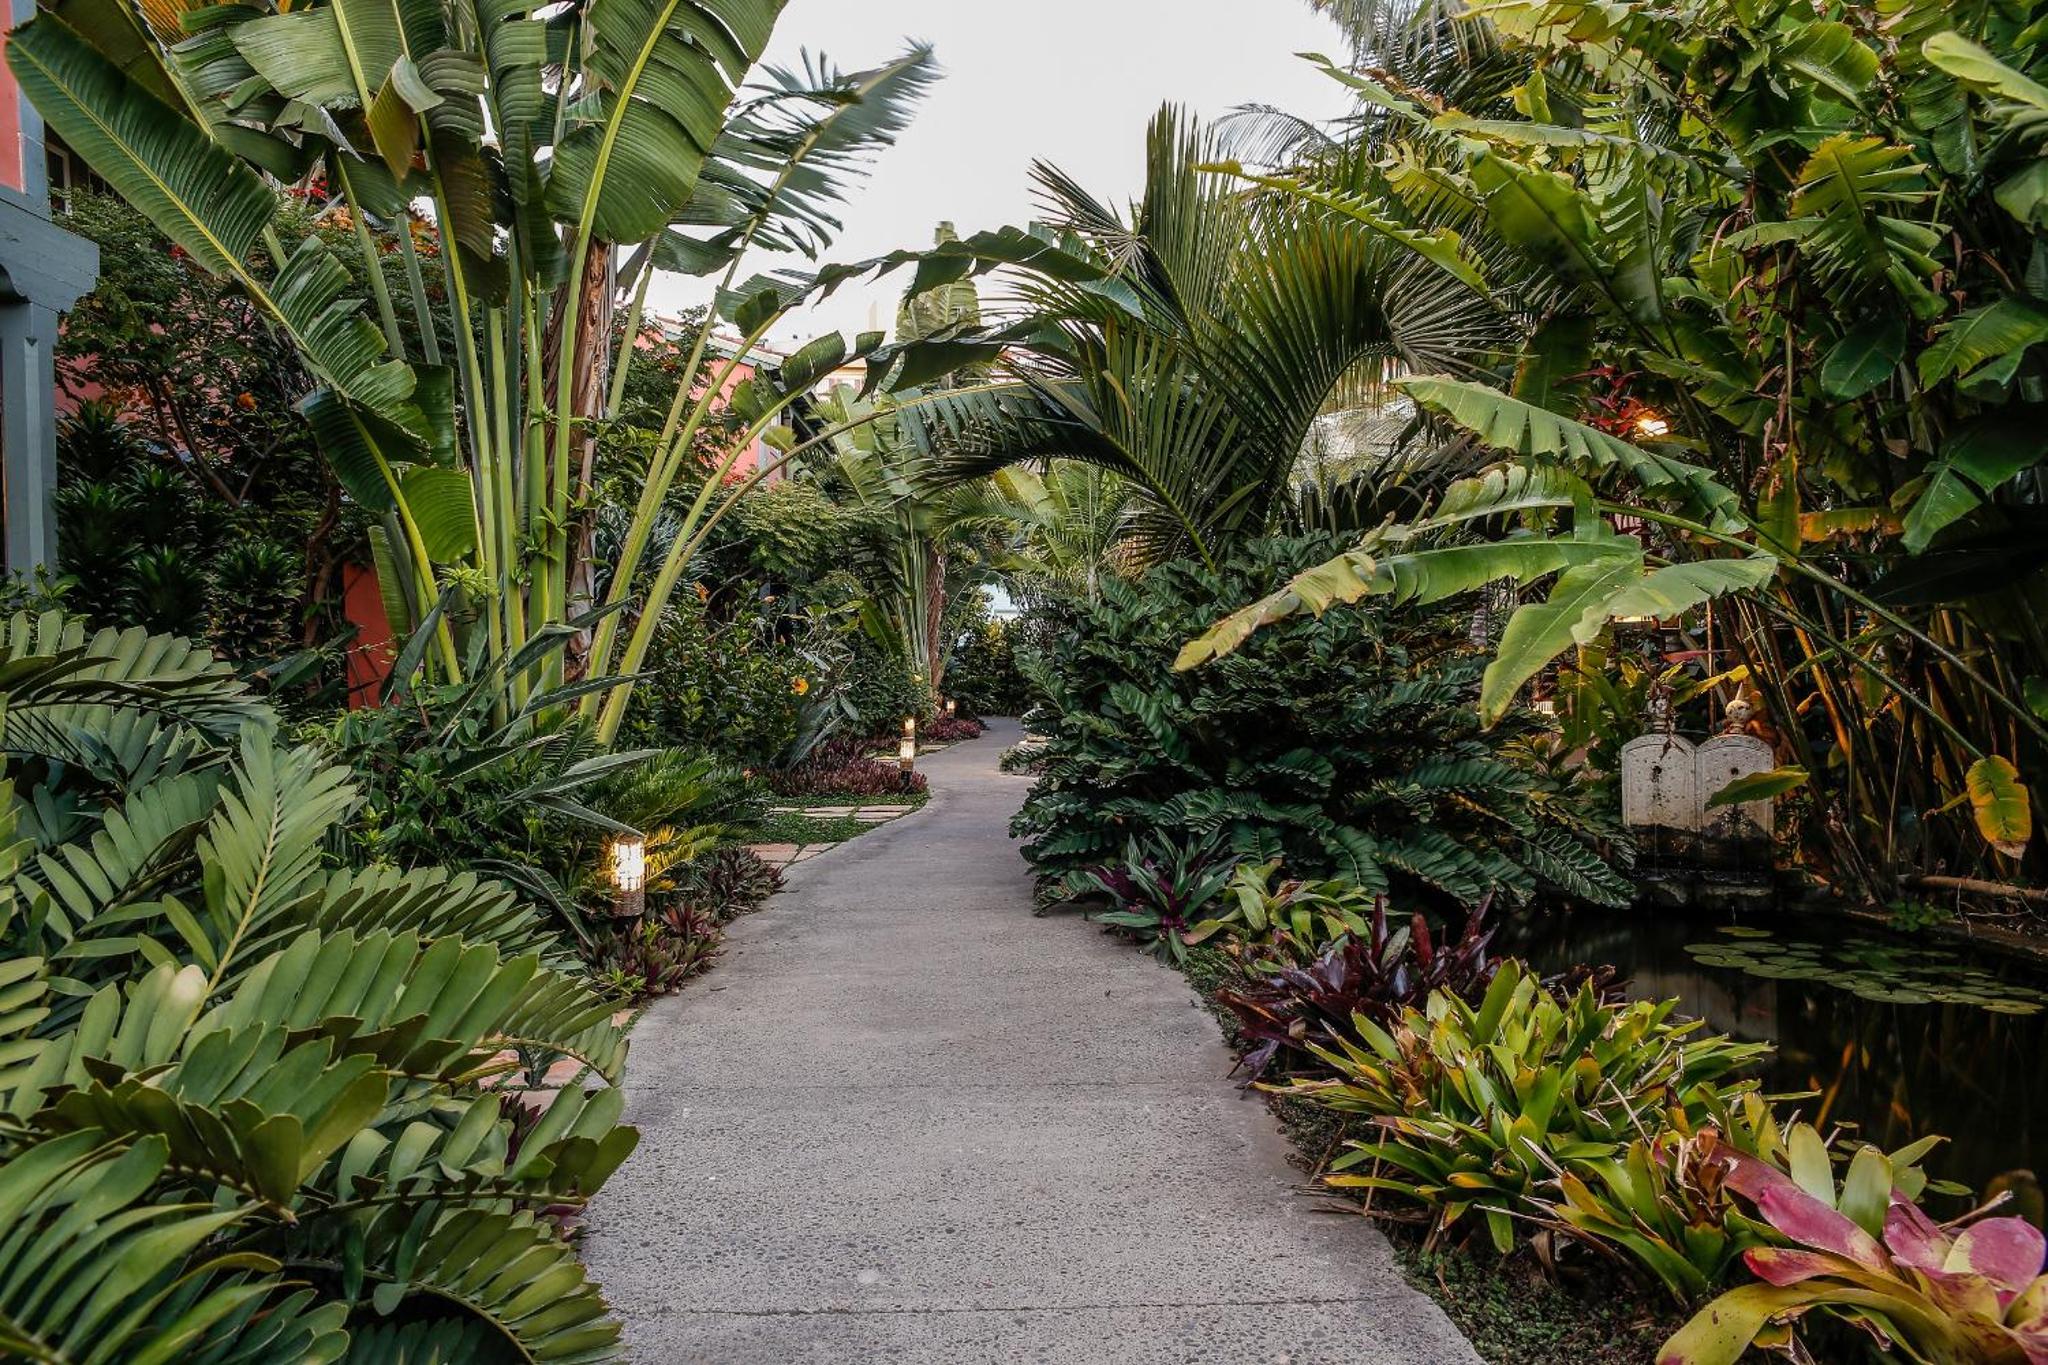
(1346, 745)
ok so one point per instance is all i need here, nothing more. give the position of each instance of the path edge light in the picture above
(629, 876)
(906, 750)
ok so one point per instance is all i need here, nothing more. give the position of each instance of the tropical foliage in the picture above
(1345, 745)
(1189, 349)
(1293, 921)
(1863, 1250)
(1159, 890)
(1373, 969)
(254, 1106)
(986, 677)
(1479, 1103)
(1769, 266)
(542, 141)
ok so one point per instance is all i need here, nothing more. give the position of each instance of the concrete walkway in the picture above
(906, 1121)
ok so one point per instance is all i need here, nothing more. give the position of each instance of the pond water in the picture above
(1899, 1036)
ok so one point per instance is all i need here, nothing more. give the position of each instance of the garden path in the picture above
(905, 1120)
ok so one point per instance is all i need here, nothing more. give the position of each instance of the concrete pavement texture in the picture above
(905, 1120)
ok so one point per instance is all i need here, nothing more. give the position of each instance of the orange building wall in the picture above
(11, 169)
(371, 652)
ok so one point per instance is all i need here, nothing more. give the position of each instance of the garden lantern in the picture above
(949, 708)
(906, 753)
(629, 875)
(1652, 424)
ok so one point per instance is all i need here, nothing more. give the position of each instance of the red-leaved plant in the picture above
(1969, 1292)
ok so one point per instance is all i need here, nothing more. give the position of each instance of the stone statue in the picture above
(1743, 718)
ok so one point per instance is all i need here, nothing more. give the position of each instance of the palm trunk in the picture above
(935, 619)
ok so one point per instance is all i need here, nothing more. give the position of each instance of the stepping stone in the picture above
(773, 853)
(562, 1072)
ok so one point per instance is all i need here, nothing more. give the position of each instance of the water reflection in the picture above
(1895, 1061)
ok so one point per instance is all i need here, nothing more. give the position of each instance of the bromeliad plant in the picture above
(1669, 1203)
(1480, 1104)
(1372, 971)
(247, 1105)
(1864, 1252)
(1159, 890)
(1264, 925)
(549, 143)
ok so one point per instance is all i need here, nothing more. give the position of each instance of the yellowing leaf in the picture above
(2003, 808)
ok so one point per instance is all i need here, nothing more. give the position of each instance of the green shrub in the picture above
(984, 676)
(793, 533)
(1346, 745)
(730, 688)
(461, 774)
(883, 687)
(142, 546)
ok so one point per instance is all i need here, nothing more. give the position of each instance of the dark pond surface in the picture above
(1899, 1036)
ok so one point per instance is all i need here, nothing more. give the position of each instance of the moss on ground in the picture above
(1514, 1314)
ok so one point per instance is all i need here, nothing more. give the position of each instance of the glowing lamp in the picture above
(949, 708)
(906, 757)
(1652, 425)
(629, 874)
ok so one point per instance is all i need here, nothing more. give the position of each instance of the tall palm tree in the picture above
(1071, 517)
(1190, 345)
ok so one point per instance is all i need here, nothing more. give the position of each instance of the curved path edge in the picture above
(906, 1120)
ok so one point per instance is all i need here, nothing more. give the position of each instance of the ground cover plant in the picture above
(945, 729)
(1345, 744)
(1160, 890)
(1371, 969)
(845, 765)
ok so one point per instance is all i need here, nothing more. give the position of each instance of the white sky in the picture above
(1072, 82)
